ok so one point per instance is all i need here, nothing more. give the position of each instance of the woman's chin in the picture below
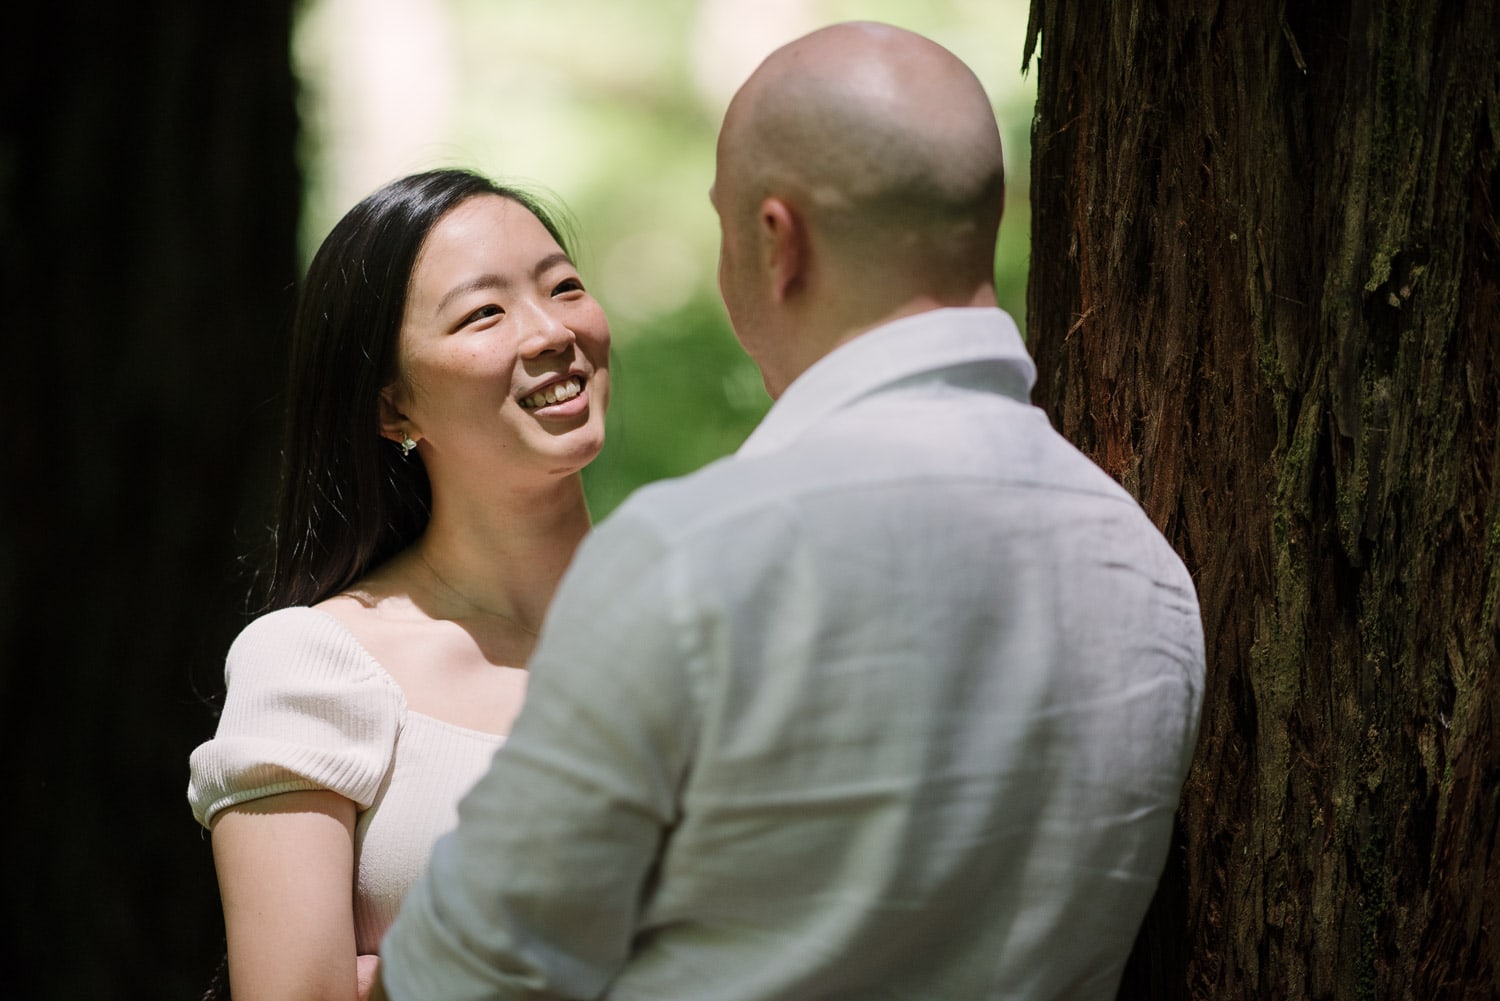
(579, 454)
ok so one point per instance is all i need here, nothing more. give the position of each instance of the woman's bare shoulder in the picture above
(441, 667)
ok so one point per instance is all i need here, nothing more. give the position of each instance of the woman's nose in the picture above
(545, 331)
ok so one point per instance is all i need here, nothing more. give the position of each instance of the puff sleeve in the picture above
(307, 707)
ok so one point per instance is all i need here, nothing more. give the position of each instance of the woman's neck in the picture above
(502, 554)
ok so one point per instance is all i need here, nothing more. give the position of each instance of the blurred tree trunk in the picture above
(1265, 295)
(150, 199)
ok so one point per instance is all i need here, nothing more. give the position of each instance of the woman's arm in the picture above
(286, 877)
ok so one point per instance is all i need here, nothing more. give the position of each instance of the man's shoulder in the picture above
(873, 451)
(677, 536)
(706, 499)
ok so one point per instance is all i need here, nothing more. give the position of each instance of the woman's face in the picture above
(504, 357)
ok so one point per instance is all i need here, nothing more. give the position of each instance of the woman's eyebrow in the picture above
(474, 284)
(550, 261)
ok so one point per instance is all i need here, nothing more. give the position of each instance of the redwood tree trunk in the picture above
(150, 197)
(1265, 295)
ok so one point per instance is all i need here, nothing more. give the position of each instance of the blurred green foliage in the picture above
(612, 109)
(683, 396)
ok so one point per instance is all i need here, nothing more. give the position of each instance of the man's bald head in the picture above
(887, 142)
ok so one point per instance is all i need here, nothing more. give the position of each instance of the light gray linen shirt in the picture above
(897, 702)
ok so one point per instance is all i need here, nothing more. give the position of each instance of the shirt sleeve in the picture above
(538, 892)
(306, 707)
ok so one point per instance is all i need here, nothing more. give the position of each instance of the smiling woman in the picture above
(449, 380)
(496, 323)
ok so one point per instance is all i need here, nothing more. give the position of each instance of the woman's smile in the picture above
(548, 401)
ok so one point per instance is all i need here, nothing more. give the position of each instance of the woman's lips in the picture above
(563, 398)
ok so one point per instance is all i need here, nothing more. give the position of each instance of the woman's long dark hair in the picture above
(348, 499)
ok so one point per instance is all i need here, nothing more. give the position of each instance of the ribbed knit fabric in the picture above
(307, 707)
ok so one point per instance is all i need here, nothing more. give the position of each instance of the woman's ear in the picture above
(394, 424)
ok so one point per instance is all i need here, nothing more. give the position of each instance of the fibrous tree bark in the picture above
(150, 198)
(1265, 295)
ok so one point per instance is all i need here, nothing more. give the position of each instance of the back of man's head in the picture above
(887, 144)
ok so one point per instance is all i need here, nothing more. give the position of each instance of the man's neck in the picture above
(824, 334)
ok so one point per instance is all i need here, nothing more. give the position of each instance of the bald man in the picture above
(896, 702)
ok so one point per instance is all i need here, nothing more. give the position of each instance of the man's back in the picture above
(945, 726)
(897, 703)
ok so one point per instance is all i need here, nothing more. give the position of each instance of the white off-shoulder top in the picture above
(308, 707)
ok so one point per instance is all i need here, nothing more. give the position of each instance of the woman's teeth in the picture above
(555, 393)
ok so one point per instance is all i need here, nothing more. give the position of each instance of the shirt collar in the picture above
(913, 345)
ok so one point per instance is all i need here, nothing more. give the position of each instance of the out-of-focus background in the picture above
(166, 169)
(1263, 297)
(612, 108)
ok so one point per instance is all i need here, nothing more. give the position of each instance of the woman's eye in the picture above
(483, 313)
(568, 285)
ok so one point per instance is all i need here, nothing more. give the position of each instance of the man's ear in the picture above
(394, 424)
(784, 237)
